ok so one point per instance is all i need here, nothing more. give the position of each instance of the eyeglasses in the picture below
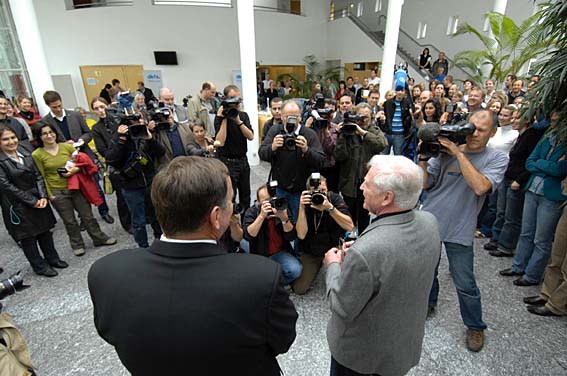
(50, 133)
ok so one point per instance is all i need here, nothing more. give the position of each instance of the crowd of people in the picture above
(332, 192)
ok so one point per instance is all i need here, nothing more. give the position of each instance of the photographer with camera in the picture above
(103, 132)
(203, 107)
(132, 152)
(269, 229)
(175, 137)
(463, 174)
(294, 151)
(321, 224)
(234, 130)
(357, 142)
(180, 114)
(346, 103)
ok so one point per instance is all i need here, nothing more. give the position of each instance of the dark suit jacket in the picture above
(180, 309)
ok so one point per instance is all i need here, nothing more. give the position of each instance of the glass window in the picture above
(81, 4)
(210, 3)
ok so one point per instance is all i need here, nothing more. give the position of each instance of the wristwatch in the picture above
(284, 222)
(331, 209)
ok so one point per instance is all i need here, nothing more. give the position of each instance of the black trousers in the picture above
(121, 206)
(50, 255)
(239, 171)
(360, 216)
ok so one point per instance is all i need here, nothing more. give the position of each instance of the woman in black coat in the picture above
(23, 197)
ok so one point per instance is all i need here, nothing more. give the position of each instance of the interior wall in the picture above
(205, 38)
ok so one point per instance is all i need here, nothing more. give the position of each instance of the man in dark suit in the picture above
(148, 93)
(377, 287)
(71, 128)
(184, 305)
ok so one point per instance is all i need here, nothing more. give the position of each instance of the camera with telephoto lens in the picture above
(317, 196)
(10, 285)
(131, 120)
(289, 135)
(229, 106)
(429, 135)
(456, 114)
(278, 203)
(160, 114)
(350, 122)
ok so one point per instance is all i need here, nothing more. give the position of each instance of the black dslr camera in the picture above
(289, 135)
(350, 122)
(278, 203)
(429, 135)
(136, 130)
(320, 114)
(456, 114)
(10, 285)
(160, 114)
(229, 106)
(317, 197)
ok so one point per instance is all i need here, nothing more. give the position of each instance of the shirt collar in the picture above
(166, 239)
(389, 215)
(58, 118)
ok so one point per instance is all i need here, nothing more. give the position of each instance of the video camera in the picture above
(186, 100)
(125, 100)
(320, 114)
(317, 196)
(350, 122)
(136, 130)
(429, 135)
(160, 114)
(289, 134)
(278, 203)
(229, 106)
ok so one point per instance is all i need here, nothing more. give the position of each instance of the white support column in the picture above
(390, 45)
(24, 16)
(499, 7)
(247, 41)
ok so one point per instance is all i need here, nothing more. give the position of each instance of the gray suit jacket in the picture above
(378, 296)
(182, 114)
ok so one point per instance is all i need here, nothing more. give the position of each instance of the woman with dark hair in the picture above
(439, 94)
(342, 90)
(425, 59)
(432, 85)
(431, 112)
(51, 158)
(26, 211)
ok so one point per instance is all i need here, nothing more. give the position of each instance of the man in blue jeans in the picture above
(463, 174)
(270, 232)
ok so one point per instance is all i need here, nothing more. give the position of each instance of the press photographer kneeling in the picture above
(133, 152)
(321, 224)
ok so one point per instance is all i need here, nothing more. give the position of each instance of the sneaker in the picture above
(109, 241)
(479, 235)
(79, 252)
(491, 246)
(475, 340)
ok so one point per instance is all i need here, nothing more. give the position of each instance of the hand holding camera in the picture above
(301, 143)
(266, 210)
(277, 142)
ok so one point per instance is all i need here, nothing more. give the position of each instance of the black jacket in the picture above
(180, 309)
(522, 149)
(390, 108)
(291, 168)
(260, 244)
(103, 132)
(134, 160)
(21, 186)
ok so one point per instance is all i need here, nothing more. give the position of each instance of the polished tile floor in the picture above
(55, 316)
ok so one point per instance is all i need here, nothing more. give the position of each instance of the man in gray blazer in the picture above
(71, 128)
(180, 114)
(377, 286)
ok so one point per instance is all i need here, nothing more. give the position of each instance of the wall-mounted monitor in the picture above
(165, 57)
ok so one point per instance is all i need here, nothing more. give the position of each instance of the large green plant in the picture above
(314, 74)
(506, 48)
(550, 93)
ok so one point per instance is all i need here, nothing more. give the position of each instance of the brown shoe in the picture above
(109, 241)
(475, 340)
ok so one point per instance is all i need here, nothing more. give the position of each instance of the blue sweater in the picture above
(551, 169)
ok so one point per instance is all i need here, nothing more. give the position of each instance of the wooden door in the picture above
(96, 76)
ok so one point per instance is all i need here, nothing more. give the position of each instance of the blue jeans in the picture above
(291, 267)
(512, 222)
(487, 215)
(292, 201)
(461, 267)
(142, 212)
(539, 221)
(397, 142)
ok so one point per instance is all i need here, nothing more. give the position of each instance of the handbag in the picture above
(108, 188)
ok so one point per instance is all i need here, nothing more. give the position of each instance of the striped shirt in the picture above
(397, 125)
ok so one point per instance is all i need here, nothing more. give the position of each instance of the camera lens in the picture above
(317, 198)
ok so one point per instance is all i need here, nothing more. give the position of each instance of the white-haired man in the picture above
(180, 114)
(383, 279)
